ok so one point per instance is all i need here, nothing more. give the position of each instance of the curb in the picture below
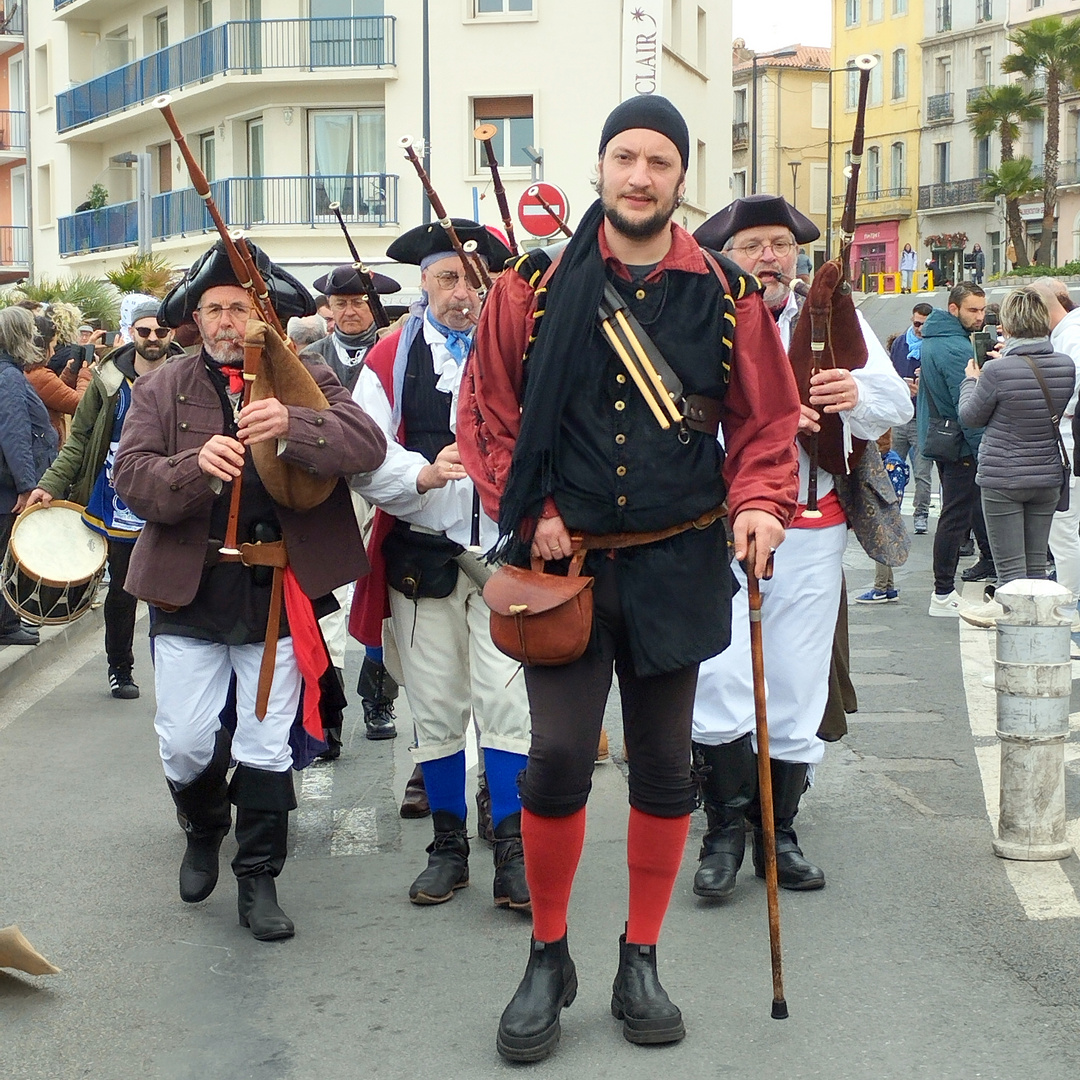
(19, 663)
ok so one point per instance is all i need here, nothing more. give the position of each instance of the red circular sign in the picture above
(534, 216)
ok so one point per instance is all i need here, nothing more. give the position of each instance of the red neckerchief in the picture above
(235, 375)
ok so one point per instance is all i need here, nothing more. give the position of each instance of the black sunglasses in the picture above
(160, 332)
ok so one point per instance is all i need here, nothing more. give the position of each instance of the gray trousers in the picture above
(1018, 524)
(905, 441)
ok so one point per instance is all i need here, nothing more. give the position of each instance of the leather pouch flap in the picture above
(512, 590)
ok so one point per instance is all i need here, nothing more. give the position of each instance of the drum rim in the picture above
(64, 504)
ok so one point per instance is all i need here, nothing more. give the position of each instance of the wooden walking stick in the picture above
(765, 796)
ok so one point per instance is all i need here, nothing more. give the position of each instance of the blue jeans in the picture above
(905, 441)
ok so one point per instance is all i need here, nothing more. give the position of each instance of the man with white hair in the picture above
(1065, 528)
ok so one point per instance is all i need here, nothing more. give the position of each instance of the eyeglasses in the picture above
(160, 332)
(213, 312)
(346, 303)
(448, 279)
(754, 248)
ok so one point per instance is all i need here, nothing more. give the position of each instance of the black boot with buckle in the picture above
(263, 801)
(377, 691)
(202, 808)
(729, 784)
(511, 888)
(529, 1028)
(793, 871)
(640, 1002)
(448, 861)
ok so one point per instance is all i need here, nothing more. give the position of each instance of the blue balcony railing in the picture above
(14, 245)
(12, 130)
(12, 20)
(244, 202)
(243, 47)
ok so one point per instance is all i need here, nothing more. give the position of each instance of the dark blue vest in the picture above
(425, 411)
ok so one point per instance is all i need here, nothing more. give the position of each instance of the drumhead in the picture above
(55, 544)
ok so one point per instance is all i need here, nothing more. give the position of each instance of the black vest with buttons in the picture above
(425, 411)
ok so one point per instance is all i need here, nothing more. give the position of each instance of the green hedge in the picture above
(1070, 269)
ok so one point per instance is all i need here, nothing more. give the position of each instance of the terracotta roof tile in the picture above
(808, 56)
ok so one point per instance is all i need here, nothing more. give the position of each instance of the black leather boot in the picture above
(792, 870)
(729, 784)
(484, 828)
(448, 862)
(511, 888)
(414, 803)
(639, 1001)
(377, 691)
(263, 801)
(529, 1028)
(331, 708)
(202, 808)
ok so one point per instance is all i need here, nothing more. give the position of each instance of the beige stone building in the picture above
(292, 105)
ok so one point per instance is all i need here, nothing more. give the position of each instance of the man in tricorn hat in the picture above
(761, 233)
(185, 444)
(429, 514)
(578, 447)
(344, 349)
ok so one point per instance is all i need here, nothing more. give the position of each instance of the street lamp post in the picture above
(779, 54)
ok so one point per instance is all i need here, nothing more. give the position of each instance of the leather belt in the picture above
(610, 541)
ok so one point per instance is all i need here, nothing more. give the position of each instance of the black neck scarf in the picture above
(551, 372)
(353, 343)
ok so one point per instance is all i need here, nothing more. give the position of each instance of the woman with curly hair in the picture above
(61, 393)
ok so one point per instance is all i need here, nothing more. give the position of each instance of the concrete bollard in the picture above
(1033, 678)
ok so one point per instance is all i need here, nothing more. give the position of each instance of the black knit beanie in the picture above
(651, 112)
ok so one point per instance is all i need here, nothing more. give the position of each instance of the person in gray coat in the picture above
(1020, 465)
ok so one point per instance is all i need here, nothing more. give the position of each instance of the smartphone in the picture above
(982, 342)
(110, 338)
(991, 320)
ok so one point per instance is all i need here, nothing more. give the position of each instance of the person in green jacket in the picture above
(83, 473)
(946, 349)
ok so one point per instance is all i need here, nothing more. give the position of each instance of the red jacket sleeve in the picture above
(761, 418)
(489, 404)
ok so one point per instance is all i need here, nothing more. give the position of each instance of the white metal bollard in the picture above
(1033, 677)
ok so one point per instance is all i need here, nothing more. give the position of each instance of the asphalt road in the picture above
(918, 960)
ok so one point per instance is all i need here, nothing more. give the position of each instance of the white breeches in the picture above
(453, 670)
(798, 621)
(191, 678)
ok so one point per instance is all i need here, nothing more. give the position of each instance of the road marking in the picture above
(355, 832)
(321, 829)
(316, 782)
(1043, 888)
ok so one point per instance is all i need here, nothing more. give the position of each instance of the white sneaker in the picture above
(984, 615)
(944, 607)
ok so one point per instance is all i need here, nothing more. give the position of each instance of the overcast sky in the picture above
(805, 22)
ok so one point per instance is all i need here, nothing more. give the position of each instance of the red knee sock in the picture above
(654, 850)
(552, 850)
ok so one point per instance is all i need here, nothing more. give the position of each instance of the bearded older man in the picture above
(186, 443)
(799, 609)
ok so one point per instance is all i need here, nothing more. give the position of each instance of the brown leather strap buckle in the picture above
(272, 553)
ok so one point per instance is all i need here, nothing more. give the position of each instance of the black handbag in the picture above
(1055, 423)
(421, 565)
(944, 437)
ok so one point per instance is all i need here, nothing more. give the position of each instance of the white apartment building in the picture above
(963, 45)
(291, 105)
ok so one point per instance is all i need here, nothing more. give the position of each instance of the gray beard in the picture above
(225, 351)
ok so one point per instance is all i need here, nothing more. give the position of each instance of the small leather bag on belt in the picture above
(539, 619)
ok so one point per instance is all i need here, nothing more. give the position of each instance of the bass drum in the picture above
(53, 565)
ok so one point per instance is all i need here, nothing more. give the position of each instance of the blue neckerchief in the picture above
(458, 342)
(914, 344)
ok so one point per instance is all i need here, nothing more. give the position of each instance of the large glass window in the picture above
(877, 82)
(852, 96)
(498, 7)
(513, 120)
(941, 162)
(899, 74)
(898, 170)
(256, 152)
(851, 12)
(873, 171)
(348, 158)
(208, 155)
(340, 37)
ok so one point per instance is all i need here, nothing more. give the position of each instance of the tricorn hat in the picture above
(288, 295)
(751, 211)
(345, 281)
(417, 244)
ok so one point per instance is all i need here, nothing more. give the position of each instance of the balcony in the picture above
(953, 193)
(880, 204)
(12, 135)
(939, 107)
(975, 92)
(247, 47)
(12, 19)
(244, 202)
(740, 135)
(1068, 173)
(14, 246)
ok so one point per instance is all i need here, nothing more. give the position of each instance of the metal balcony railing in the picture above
(876, 196)
(14, 245)
(1068, 173)
(244, 47)
(975, 92)
(740, 133)
(244, 202)
(12, 130)
(954, 193)
(12, 19)
(939, 107)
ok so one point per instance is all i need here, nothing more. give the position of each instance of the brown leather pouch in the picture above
(539, 619)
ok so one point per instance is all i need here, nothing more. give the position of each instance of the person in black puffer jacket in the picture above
(1020, 464)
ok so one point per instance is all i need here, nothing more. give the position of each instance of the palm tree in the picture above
(1049, 47)
(1012, 181)
(1001, 110)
